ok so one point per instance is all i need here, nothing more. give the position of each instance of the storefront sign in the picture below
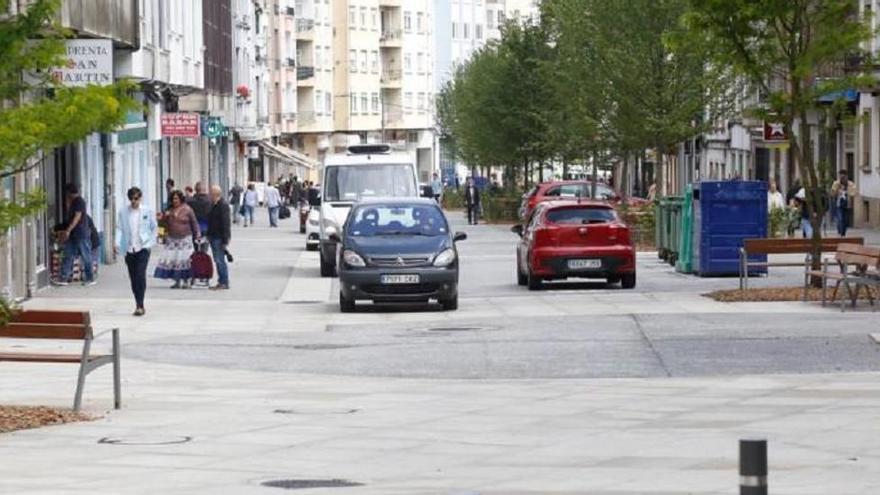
(88, 62)
(180, 125)
(774, 132)
(254, 152)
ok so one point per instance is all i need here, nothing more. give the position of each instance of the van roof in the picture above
(368, 159)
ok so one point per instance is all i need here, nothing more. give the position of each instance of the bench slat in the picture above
(30, 357)
(795, 246)
(45, 331)
(51, 317)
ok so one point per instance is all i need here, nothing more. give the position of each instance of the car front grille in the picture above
(398, 261)
(407, 289)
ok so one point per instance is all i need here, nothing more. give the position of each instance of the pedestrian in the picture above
(437, 188)
(801, 200)
(183, 227)
(76, 236)
(136, 230)
(219, 235)
(189, 192)
(273, 203)
(472, 201)
(200, 203)
(843, 193)
(169, 187)
(774, 198)
(249, 203)
(652, 191)
(235, 201)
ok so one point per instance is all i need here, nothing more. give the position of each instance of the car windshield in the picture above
(579, 216)
(378, 220)
(354, 182)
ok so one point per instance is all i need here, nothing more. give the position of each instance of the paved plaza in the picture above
(579, 389)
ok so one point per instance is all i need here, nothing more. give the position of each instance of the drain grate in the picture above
(305, 484)
(144, 440)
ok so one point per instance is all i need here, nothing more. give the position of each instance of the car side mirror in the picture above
(517, 229)
(459, 236)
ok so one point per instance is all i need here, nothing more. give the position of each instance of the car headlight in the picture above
(351, 258)
(445, 258)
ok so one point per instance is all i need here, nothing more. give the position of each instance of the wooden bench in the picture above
(784, 246)
(855, 265)
(62, 325)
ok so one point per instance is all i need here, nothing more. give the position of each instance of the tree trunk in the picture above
(595, 175)
(621, 182)
(658, 170)
(541, 171)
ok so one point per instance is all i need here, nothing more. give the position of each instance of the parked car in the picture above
(572, 189)
(397, 250)
(313, 224)
(574, 239)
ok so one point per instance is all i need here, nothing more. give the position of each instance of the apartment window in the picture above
(319, 100)
(420, 22)
(352, 17)
(866, 139)
(466, 31)
(420, 63)
(490, 18)
(500, 18)
(454, 30)
(328, 103)
(421, 103)
(478, 31)
(319, 60)
(374, 18)
(375, 102)
(407, 63)
(363, 60)
(354, 104)
(328, 56)
(365, 101)
(374, 61)
(407, 21)
(408, 102)
(352, 60)
(364, 24)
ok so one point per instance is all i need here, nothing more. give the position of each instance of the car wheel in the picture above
(533, 281)
(327, 270)
(614, 279)
(311, 247)
(346, 305)
(521, 278)
(450, 304)
(628, 281)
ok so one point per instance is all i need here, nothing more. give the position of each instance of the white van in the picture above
(364, 171)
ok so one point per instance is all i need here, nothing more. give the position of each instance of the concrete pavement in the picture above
(314, 394)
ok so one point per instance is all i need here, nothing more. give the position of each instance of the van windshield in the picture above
(355, 182)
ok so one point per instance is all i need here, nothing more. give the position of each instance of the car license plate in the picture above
(399, 279)
(584, 264)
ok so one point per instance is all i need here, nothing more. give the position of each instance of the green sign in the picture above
(212, 127)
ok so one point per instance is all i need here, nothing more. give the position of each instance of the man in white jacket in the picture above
(136, 229)
(273, 202)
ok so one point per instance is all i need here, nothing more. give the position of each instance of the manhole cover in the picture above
(322, 347)
(315, 412)
(304, 484)
(135, 440)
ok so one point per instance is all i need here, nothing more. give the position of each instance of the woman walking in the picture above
(174, 264)
(250, 202)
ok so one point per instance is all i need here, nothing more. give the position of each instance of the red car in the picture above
(582, 239)
(571, 189)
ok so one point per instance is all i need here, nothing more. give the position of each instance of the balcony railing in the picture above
(390, 35)
(307, 117)
(391, 76)
(305, 25)
(304, 72)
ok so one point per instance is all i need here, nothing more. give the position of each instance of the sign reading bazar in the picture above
(180, 125)
(88, 62)
(774, 132)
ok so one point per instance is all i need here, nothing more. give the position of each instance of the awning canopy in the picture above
(285, 154)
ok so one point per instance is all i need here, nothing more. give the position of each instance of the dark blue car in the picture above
(398, 250)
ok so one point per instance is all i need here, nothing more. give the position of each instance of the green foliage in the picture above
(778, 222)
(453, 199)
(501, 207)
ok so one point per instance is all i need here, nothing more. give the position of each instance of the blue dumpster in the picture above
(725, 213)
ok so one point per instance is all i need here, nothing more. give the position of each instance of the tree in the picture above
(38, 114)
(791, 50)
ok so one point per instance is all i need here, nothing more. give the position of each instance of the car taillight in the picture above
(547, 235)
(618, 233)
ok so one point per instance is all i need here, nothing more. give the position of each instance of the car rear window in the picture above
(579, 216)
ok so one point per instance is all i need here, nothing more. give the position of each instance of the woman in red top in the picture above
(181, 228)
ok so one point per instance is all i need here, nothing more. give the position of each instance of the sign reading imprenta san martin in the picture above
(88, 62)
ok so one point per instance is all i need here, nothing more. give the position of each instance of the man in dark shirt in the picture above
(235, 201)
(219, 235)
(76, 237)
(201, 205)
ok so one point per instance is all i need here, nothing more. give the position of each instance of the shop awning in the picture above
(287, 155)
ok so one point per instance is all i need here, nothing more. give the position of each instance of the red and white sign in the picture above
(180, 125)
(774, 132)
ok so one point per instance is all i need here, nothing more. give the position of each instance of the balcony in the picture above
(305, 76)
(305, 29)
(390, 3)
(306, 118)
(391, 38)
(393, 117)
(391, 79)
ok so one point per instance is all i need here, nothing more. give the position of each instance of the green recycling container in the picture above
(668, 233)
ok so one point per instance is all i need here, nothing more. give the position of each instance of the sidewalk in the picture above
(213, 429)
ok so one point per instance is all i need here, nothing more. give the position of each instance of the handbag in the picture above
(241, 210)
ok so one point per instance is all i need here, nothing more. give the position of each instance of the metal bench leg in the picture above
(81, 378)
(117, 383)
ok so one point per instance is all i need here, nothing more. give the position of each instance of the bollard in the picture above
(753, 467)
